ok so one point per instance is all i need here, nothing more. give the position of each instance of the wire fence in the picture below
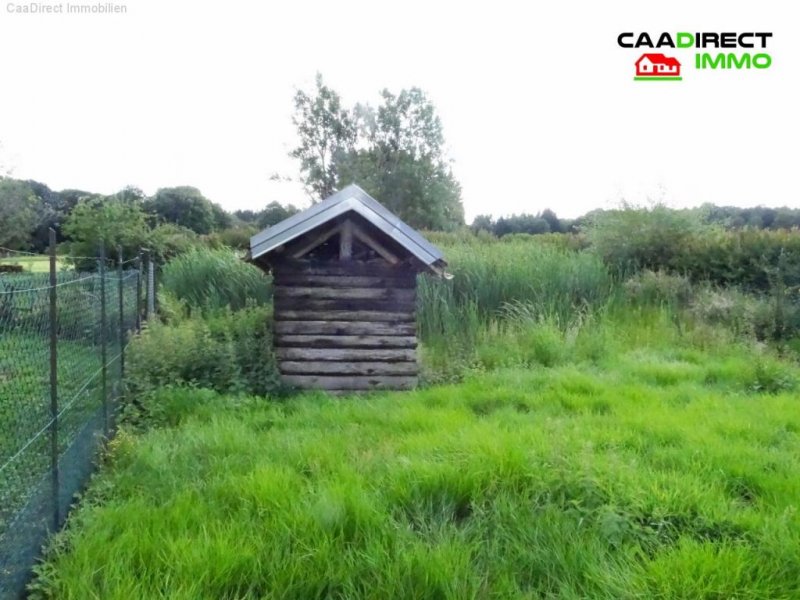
(62, 358)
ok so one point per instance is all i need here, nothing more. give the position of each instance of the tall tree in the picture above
(111, 220)
(326, 131)
(18, 216)
(394, 151)
(275, 213)
(186, 206)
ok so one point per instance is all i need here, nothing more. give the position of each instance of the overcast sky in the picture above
(538, 103)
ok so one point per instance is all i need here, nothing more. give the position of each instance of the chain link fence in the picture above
(62, 358)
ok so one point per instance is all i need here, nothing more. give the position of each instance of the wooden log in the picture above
(345, 341)
(373, 243)
(351, 382)
(312, 242)
(396, 306)
(346, 241)
(402, 280)
(353, 293)
(348, 368)
(375, 316)
(380, 268)
(343, 328)
(387, 354)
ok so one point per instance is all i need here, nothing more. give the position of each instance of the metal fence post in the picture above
(151, 286)
(54, 380)
(139, 292)
(121, 316)
(104, 335)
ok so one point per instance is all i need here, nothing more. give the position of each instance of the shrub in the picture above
(232, 237)
(765, 317)
(229, 352)
(633, 238)
(658, 288)
(212, 279)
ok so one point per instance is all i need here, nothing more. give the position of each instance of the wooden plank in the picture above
(351, 382)
(396, 306)
(346, 241)
(388, 354)
(348, 368)
(380, 268)
(402, 280)
(373, 243)
(353, 293)
(346, 341)
(374, 316)
(316, 241)
(343, 328)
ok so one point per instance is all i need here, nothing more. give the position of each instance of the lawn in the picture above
(666, 467)
(31, 264)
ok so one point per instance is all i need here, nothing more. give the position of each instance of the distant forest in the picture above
(29, 208)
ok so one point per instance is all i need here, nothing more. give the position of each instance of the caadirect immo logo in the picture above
(749, 53)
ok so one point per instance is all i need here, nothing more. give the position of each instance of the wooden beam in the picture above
(353, 293)
(330, 354)
(401, 280)
(351, 382)
(374, 268)
(400, 305)
(345, 341)
(343, 328)
(370, 241)
(346, 241)
(348, 368)
(375, 316)
(316, 241)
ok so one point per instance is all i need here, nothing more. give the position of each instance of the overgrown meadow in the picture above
(597, 420)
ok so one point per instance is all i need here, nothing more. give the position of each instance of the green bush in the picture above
(633, 238)
(232, 237)
(208, 280)
(658, 288)
(765, 317)
(228, 352)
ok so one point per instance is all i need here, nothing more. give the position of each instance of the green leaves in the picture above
(395, 152)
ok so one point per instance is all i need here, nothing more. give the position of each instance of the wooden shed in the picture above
(345, 273)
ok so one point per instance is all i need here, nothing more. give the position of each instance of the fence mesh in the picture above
(48, 441)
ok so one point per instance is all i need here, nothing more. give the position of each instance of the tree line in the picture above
(395, 150)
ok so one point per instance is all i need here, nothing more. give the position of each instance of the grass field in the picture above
(31, 264)
(665, 463)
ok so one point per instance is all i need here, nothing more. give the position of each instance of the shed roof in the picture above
(351, 198)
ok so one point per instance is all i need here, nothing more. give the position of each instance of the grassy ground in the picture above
(655, 463)
(31, 264)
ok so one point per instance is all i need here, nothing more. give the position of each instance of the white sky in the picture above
(538, 102)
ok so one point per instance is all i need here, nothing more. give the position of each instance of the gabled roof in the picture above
(351, 198)
(659, 59)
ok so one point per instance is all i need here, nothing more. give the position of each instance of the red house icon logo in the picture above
(657, 67)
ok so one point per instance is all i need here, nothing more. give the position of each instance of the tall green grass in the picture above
(661, 471)
(207, 280)
(492, 285)
(558, 282)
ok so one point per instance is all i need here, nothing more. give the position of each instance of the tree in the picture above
(553, 221)
(275, 213)
(394, 151)
(483, 223)
(524, 223)
(109, 220)
(326, 131)
(186, 206)
(18, 217)
(246, 216)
